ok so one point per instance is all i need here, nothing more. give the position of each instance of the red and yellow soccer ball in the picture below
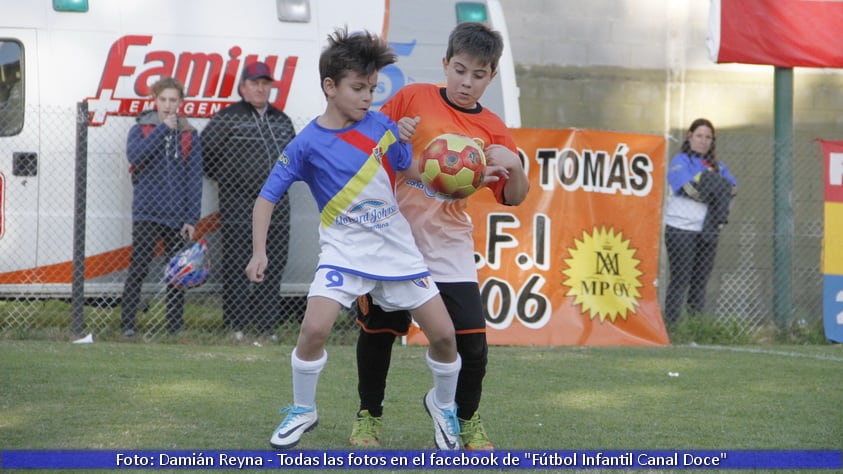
(452, 165)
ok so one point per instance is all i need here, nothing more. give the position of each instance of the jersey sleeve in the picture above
(679, 172)
(400, 153)
(285, 172)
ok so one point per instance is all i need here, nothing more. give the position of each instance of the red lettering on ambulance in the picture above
(147, 77)
(204, 75)
(231, 70)
(114, 67)
(201, 66)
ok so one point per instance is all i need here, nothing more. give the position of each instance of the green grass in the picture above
(708, 329)
(110, 395)
(50, 320)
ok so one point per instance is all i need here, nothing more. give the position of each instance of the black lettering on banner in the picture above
(607, 263)
(528, 300)
(496, 239)
(593, 169)
(497, 291)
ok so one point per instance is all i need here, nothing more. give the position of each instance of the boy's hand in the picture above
(504, 163)
(187, 232)
(407, 127)
(500, 160)
(499, 155)
(171, 121)
(494, 173)
(255, 268)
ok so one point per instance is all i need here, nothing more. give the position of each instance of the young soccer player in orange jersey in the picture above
(442, 229)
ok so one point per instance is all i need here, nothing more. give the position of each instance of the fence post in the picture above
(783, 194)
(79, 214)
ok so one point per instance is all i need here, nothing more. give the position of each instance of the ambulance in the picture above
(75, 73)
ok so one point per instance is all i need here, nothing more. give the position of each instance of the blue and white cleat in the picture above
(446, 425)
(298, 421)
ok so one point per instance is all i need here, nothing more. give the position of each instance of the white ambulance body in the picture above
(107, 54)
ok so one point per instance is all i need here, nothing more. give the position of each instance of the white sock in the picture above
(305, 377)
(445, 375)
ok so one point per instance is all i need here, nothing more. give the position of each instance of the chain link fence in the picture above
(69, 195)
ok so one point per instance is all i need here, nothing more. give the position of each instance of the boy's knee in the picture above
(473, 347)
(443, 341)
(315, 336)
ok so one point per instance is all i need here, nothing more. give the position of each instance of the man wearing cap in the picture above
(241, 144)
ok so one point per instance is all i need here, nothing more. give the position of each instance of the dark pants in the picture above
(145, 236)
(690, 258)
(374, 348)
(244, 303)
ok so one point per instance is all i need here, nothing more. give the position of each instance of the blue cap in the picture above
(257, 70)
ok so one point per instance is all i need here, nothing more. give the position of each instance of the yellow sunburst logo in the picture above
(603, 275)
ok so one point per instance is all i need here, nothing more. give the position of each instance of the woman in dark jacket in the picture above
(700, 192)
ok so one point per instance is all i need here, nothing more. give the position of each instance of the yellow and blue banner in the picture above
(832, 251)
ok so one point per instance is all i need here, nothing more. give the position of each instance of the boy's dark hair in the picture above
(167, 83)
(361, 52)
(476, 40)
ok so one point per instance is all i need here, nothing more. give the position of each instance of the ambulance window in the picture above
(11, 88)
(294, 11)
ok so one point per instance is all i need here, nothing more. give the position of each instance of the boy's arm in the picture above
(261, 215)
(504, 162)
(406, 127)
(140, 148)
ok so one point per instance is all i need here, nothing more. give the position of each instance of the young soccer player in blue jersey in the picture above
(348, 156)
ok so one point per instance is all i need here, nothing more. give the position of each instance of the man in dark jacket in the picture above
(241, 144)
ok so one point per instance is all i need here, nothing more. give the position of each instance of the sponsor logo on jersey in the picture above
(371, 213)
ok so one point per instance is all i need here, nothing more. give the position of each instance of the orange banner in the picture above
(577, 262)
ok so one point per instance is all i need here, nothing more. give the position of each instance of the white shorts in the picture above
(391, 295)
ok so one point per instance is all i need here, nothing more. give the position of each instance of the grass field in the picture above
(111, 395)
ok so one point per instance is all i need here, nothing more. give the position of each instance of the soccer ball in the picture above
(452, 165)
(190, 268)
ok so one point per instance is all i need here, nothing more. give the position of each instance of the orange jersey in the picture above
(441, 227)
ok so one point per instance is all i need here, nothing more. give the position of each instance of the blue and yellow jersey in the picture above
(351, 174)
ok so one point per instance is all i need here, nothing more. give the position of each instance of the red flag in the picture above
(784, 33)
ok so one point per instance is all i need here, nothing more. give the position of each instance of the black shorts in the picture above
(461, 299)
